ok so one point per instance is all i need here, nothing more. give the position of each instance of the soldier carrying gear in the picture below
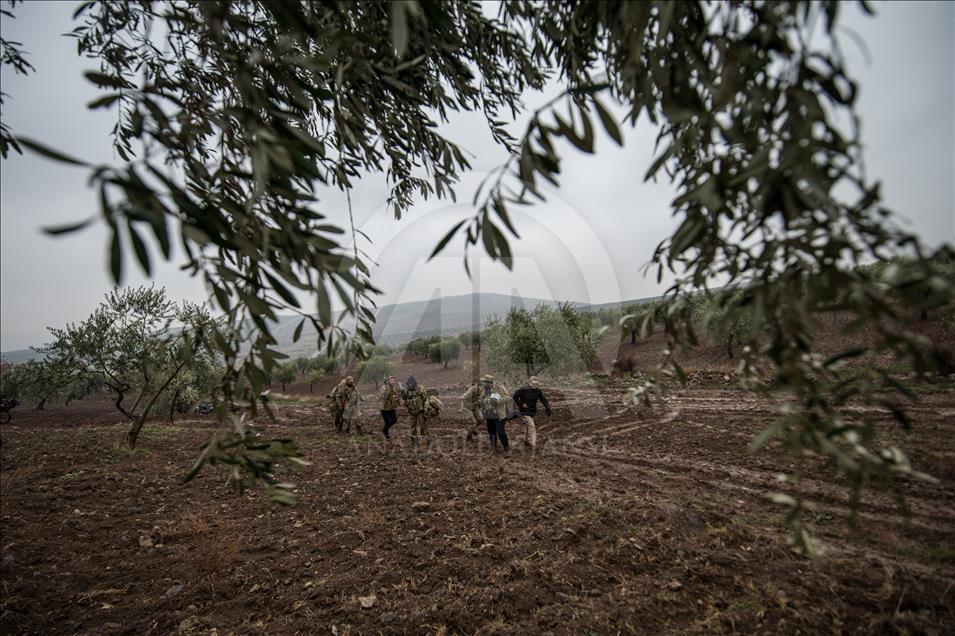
(432, 407)
(471, 404)
(388, 399)
(352, 413)
(415, 398)
(337, 401)
(346, 405)
(526, 399)
(493, 400)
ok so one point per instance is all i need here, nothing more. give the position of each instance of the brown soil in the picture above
(627, 521)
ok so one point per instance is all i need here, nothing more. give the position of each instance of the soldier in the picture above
(415, 398)
(526, 399)
(388, 399)
(341, 396)
(336, 404)
(494, 409)
(471, 404)
(352, 411)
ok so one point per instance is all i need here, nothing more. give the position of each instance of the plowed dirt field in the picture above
(626, 521)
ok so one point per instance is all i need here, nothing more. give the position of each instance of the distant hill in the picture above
(20, 355)
(448, 315)
(399, 323)
(616, 305)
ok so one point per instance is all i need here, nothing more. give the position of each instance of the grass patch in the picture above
(589, 509)
(121, 450)
(160, 432)
(95, 432)
(745, 606)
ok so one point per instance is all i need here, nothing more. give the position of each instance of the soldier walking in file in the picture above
(346, 407)
(388, 399)
(471, 405)
(416, 399)
(337, 402)
(494, 409)
(352, 411)
(526, 399)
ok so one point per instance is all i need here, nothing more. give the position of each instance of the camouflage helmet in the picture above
(488, 378)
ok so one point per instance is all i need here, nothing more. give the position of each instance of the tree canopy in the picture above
(375, 368)
(444, 351)
(140, 344)
(558, 339)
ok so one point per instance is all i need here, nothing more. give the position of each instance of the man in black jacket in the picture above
(526, 399)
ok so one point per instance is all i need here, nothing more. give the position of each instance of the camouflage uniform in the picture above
(345, 405)
(337, 405)
(388, 397)
(432, 407)
(416, 400)
(352, 414)
(472, 405)
(489, 406)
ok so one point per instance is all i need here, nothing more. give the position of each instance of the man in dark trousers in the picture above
(494, 409)
(388, 399)
(526, 399)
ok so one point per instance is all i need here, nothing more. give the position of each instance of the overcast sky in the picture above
(586, 244)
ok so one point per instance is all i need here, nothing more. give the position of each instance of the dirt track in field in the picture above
(627, 521)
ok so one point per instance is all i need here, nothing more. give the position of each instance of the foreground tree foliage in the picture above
(234, 117)
(905, 277)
